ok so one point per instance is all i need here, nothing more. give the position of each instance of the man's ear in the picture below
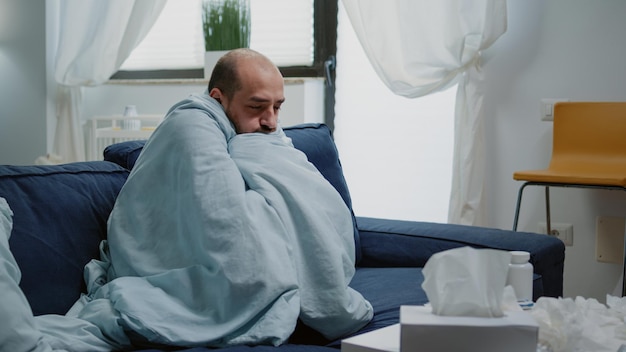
(216, 94)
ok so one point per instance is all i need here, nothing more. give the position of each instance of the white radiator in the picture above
(106, 130)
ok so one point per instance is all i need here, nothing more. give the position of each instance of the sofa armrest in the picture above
(397, 243)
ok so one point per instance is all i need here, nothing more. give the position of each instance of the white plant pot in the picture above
(210, 59)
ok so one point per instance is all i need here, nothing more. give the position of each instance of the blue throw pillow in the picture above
(59, 218)
(124, 154)
(315, 140)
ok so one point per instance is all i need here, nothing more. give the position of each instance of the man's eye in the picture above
(256, 107)
(277, 108)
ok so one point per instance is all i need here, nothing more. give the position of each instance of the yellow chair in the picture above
(588, 151)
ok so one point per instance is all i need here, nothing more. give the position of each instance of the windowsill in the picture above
(191, 81)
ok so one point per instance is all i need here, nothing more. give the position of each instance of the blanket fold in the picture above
(219, 239)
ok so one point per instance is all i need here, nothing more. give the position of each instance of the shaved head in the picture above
(226, 74)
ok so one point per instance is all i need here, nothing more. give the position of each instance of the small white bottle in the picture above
(520, 277)
(129, 123)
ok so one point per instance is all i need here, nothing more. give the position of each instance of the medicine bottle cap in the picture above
(519, 257)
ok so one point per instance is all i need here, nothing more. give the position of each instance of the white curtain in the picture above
(418, 47)
(94, 39)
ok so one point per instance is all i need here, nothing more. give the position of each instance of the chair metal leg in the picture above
(518, 205)
(548, 225)
(624, 270)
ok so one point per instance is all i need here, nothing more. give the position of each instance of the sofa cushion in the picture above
(315, 140)
(60, 214)
(386, 289)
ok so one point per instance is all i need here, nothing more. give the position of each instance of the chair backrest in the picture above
(589, 134)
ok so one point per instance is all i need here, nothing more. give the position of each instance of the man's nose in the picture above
(269, 121)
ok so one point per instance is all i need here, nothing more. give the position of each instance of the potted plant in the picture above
(226, 26)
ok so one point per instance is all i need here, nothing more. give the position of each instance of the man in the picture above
(223, 234)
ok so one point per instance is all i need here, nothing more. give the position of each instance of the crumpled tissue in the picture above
(466, 282)
(577, 325)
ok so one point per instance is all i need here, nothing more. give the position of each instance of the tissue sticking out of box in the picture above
(466, 282)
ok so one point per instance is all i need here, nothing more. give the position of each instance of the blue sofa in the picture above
(60, 215)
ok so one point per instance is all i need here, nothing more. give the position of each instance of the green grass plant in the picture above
(226, 24)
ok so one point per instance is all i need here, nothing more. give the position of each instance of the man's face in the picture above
(255, 107)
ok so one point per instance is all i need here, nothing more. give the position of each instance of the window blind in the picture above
(280, 29)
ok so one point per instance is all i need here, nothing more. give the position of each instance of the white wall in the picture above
(553, 49)
(23, 81)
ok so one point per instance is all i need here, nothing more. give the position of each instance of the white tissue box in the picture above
(420, 330)
(386, 339)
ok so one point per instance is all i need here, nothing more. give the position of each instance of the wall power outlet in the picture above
(562, 231)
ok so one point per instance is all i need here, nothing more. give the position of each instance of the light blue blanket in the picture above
(219, 239)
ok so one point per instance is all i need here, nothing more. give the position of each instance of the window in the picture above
(298, 35)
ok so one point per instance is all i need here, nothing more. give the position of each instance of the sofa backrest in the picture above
(59, 219)
(314, 139)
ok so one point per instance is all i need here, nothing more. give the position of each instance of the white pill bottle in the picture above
(520, 276)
